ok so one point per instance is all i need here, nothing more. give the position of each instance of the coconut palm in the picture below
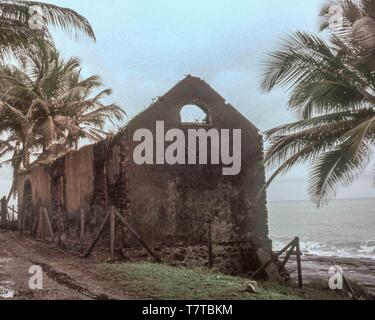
(335, 101)
(48, 107)
(24, 23)
(61, 103)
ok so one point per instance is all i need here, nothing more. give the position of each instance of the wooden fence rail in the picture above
(112, 216)
(292, 248)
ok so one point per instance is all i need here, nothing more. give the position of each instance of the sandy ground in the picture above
(65, 276)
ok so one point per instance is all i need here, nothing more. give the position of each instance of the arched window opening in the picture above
(192, 114)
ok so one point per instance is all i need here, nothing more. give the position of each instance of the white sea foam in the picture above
(365, 250)
(345, 228)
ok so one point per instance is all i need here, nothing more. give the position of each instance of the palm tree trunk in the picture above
(26, 156)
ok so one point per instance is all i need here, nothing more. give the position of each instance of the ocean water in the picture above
(344, 228)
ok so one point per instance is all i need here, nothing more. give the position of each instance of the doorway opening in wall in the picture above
(192, 114)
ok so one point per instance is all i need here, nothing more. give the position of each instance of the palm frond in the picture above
(338, 167)
(55, 16)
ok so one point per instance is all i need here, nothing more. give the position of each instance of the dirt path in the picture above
(65, 276)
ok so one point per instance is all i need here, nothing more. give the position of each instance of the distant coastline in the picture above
(270, 202)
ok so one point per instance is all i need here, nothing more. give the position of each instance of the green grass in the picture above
(157, 281)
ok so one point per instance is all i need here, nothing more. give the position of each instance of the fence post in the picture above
(137, 236)
(49, 225)
(209, 244)
(59, 222)
(299, 264)
(4, 213)
(82, 236)
(19, 220)
(62, 216)
(43, 223)
(113, 232)
(96, 239)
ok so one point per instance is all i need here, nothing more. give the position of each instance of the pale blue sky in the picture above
(144, 47)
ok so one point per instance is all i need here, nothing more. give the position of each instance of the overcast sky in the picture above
(144, 47)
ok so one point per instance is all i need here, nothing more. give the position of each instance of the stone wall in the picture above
(229, 258)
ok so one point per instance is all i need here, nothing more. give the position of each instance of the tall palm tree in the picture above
(335, 100)
(17, 32)
(48, 107)
(23, 25)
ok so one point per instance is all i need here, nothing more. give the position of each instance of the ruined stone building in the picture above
(172, 207)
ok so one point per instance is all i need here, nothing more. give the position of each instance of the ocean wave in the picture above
(344, 249)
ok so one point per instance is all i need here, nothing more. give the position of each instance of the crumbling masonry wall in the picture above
(171, 207)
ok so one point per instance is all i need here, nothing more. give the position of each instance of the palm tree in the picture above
(353, 22)
(48, 107)
(17, 32)
(20, 30)
(335, 100)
